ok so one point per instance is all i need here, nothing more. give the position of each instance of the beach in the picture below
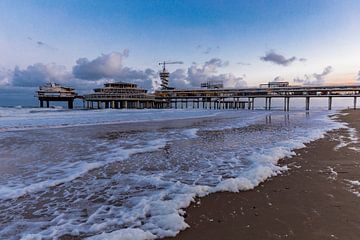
(193, 174)
(318, 198)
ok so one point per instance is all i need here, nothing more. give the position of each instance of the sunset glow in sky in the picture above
(244, 43)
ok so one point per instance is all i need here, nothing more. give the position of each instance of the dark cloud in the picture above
(278, 79)
(358, 76)
(315, 78)
(199, 73)
(279, 59)
(302, 59)
(110, 67)
(38, 74)
(206, 49)
(41, 44)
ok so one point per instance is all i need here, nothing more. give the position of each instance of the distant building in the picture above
(120, 95)
(53, 92)
(212, 84)
(274, 84)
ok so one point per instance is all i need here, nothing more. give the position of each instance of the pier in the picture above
(241, 98)
(212, 96)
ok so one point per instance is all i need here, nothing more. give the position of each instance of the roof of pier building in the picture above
(120, 87)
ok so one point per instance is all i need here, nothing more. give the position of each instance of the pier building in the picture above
(53, 92)
(122, 95)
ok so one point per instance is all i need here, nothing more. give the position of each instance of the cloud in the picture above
(243, 63)
(199, 73)
(302, 59)
(38, 74)
(206, 50)
(5, 77)
(110, 66)
(279, 59)
(87, 74)
(358, 76)
(278, 79)
(315, 78)
(41, 44)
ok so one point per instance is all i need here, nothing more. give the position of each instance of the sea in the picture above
(130, 174)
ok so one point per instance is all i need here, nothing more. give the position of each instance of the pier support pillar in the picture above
(41, 103)
(330, 103)
(249, 104)
(354, 102)
(286, 103)
(71, 104)
(252, 103)
(269, 104)
(266, 103)
(47, 104)
(307, 104)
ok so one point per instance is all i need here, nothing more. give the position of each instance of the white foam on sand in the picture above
(125, 234)
(354, 187)
(346, 141)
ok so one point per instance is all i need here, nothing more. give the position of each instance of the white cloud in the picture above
(315, 78)
(199, 73)
(111, 67)
(5, 77)
(38, 74)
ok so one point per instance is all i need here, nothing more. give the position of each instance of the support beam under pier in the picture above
(354, 102)
(307, 104)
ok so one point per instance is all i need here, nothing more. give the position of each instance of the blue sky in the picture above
(241, 42)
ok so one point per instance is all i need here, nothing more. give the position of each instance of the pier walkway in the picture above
(227, 98)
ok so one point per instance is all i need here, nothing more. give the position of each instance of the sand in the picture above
(310, 201)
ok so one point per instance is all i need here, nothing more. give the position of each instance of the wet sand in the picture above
(310, 201)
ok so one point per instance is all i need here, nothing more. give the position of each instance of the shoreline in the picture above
(313, 200)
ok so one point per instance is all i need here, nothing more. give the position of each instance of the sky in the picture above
(85, 43)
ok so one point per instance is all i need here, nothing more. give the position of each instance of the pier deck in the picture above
(245, 97)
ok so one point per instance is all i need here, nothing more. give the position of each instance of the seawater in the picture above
(112, 174)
